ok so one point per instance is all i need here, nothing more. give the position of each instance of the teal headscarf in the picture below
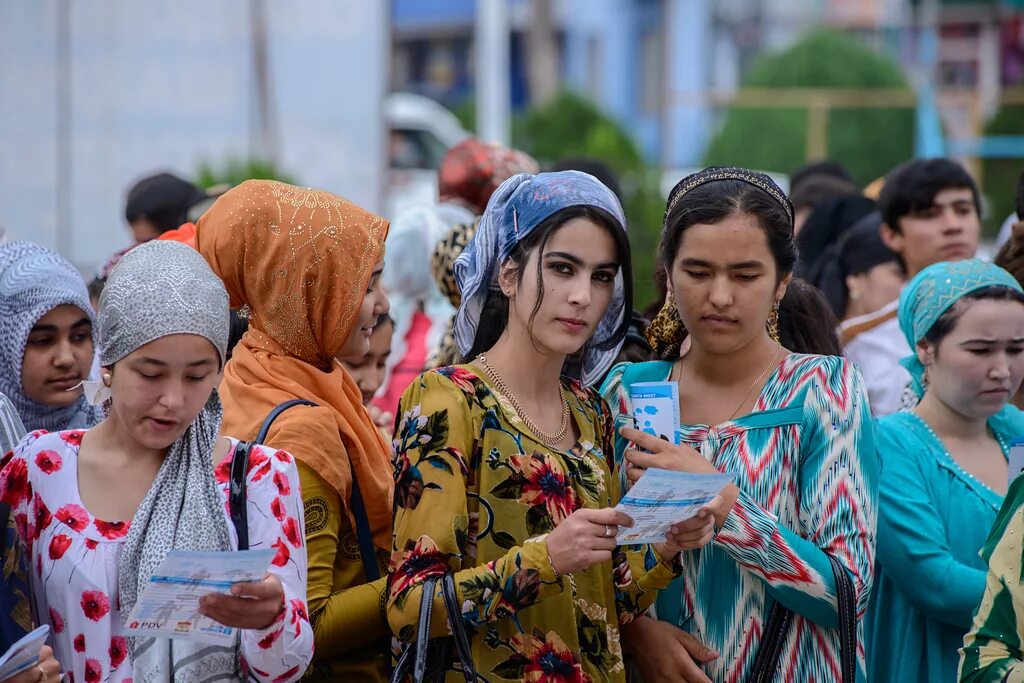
(933, 291)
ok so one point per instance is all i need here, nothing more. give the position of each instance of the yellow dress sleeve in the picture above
(440, 422)
(351, 617)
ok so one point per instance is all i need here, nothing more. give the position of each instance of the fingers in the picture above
(695, 648)
(633, 473)
(640, 459)
(267, 589)
(643, 440)
(609, 516)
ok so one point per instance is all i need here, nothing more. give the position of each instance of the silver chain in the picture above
(550, 439)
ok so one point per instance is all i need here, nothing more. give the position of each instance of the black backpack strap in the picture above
(240, 469)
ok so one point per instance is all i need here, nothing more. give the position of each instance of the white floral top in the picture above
(75, 556)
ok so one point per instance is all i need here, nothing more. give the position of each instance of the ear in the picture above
(892, 238)
(780, 291)
(925, 351)
(106, 374)
(508, 278)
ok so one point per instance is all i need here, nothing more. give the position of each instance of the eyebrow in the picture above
(991, 342)
(744, 265)
(159, 363)
(84, 322)
(577, 261)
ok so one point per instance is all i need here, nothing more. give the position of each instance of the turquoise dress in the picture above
(805, 464)
(933, 520)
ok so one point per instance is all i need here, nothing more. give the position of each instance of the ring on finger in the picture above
(42, 673)
(608, 531)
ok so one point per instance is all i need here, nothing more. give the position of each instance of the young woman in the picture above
(794, 429)
(370, 371)
(502, 468)
(46, 342)
(944, 462)
(163, 325)
(306, 265)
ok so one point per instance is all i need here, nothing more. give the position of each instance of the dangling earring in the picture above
(773, 323)
(666, 332)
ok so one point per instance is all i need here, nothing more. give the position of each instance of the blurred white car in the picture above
(421, 131)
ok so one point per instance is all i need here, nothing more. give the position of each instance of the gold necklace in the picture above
(550, 439)
(760, 378)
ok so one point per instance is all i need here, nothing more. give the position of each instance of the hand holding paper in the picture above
(662, 499)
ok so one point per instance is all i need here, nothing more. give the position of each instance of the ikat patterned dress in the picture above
(74, 559)
(477, 493)
(806, 467)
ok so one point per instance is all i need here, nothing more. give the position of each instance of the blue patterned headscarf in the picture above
(932, 292)
(33, 281)
(516, 208)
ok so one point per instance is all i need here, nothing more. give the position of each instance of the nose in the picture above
(383, 306)
(952, 222)
(173, 395)
(1000, 367)
(64, 354)
(720, 294)
(580, 294)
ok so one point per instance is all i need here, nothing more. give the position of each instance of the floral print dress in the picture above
(74, 559)
(477, 493)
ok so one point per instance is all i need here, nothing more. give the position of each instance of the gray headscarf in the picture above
(158, 289)
(33, 281)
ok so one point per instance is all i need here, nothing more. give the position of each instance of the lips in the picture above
(573, 324)
(718, 321)
(161, 424)
(66, 382)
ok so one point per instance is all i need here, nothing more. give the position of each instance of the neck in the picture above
(948, 423)
(529, 373)
(119, 447)
(734, 367)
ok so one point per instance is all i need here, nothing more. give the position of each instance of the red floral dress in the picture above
(75, 556)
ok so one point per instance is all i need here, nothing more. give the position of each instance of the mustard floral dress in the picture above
(477, 493)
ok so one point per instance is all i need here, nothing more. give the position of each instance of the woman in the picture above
(794, 428)
(501, 467)
(991, 651)
(163, 325)
(306, 265)
(944, 462)
(46, 342)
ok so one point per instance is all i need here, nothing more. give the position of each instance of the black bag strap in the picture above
(769, 652)
(416, 655)
(5, 518)
(363, 533)
(240, 468)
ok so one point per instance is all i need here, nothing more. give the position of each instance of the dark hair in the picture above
(494, 316)
(594, 167)
(816, 189)
(237, 326)
(913, 185)
(948, 320)
(384, 319)
(1018, 197)
(806, 321)
(715, 201)
(816, 169)
(96, 286)
(163, 199)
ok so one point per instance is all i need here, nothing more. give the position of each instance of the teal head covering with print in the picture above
(932, 292)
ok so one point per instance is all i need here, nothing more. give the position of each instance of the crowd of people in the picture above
(445, 428)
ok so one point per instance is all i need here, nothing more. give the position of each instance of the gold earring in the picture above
(773, 323)
(666, 332)
(106, 378)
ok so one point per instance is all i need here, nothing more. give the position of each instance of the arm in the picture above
(838, 489)
(350, 618)
(912, 540)
(992, 648)
(282, 651)
(433, 442)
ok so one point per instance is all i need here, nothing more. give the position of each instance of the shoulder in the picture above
(618, 380)
(451, 386)
(589, 398)
(829, 371)
(878, 323)
(1008, 423)
(267, 466)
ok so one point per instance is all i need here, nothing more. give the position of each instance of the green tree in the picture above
(868, 141)
(235, 170)
(999, 176)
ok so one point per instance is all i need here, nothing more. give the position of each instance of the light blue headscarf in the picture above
(932, 292)
(33, 281)
(516, 208)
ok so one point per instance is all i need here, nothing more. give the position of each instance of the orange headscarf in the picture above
(301, 261)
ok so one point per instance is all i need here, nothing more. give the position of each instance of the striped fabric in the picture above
(11, 428)
(806, 467)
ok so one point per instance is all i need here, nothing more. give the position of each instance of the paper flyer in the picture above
(24, 654)
(656, 408)
(169, 604)
(662, 498)
(1016, 464)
